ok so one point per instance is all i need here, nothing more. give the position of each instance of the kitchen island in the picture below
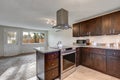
(47, 63)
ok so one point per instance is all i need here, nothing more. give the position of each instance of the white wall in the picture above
(66, 37)
(1, 42)
(10, 50)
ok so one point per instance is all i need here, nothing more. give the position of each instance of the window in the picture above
(33, 37)
(11, 39)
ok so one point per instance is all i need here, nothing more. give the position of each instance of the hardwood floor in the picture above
(84, 73)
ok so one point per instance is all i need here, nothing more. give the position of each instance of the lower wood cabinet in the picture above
(104, 60)
(52, 74)
(99, 59)
(51, 66)
(48, 65)
(113, 63)
(78, 56)
(99, 62)
(94, 58)
(87, 58)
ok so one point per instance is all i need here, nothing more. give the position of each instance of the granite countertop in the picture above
(102, 47)
(52, 49)
(46, 49)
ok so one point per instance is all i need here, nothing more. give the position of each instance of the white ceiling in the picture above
(31, 13)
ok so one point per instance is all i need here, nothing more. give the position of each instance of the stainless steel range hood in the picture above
(62, 19)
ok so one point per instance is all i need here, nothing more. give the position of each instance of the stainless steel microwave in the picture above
(82, 42)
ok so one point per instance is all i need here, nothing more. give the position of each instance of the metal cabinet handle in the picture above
(52, 74)
(114, 53)
(52, 64)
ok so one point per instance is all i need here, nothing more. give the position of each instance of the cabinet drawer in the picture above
(51, 55)
(50, 64)
(86, 49)
(113, 53)
(98, 51)
(52, 74)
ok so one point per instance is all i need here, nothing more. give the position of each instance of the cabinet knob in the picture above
(113, 31)
(114, 53)
(52, 64)
(78, 34)
(52, 74)
(52, 55)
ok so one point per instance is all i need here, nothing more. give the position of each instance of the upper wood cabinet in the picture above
(116, 23)
(94, 26)
(76, 30)
(111, 23)
(83, 29)
(105, 25)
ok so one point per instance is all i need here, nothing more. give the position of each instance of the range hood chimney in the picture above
(62, 19)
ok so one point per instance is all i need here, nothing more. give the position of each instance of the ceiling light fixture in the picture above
(51, 22)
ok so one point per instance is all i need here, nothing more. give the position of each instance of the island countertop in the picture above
(101, 47)
(46, 50)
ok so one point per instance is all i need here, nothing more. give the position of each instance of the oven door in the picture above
(68, 61)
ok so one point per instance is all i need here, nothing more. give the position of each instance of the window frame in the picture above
(15, 38)
(34, 32)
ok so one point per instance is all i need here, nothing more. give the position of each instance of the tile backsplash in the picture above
(104, 38)
(66, 37)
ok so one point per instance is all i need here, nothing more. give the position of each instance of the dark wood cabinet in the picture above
(83, 29)
(116, 23)
(52, 74)
(90, 27)
(76, 30)
(78, 56)
(94, 58)
(113, 63)
(107, 24)
(99, 59)
(111, 23)
(100, 62)
(52, 65)
(103, 60)
(94, 26)
(104, 25)
(48, 65)
(87, 58)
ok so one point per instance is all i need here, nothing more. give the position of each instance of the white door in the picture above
(11, 41)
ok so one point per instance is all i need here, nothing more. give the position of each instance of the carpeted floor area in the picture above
(18, 68)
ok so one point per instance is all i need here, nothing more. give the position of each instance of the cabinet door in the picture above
(52, 74)
(94, 26)
(83, 29)
(91, 27)
(100, 62)
(116, 22)
(87, 58)
(106, 24)
(76, 30)
(78, 57)
(113, 66)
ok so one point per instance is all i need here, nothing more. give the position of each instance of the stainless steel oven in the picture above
(68, 62)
